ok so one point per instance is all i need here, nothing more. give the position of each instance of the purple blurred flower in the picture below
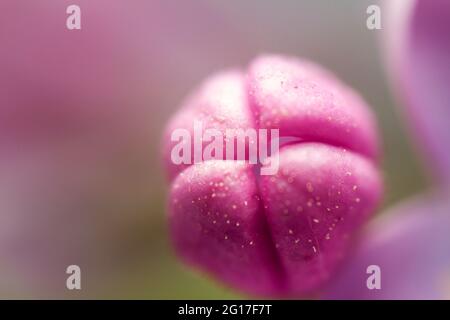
(418, 60)
(411, 242)
(411, 245)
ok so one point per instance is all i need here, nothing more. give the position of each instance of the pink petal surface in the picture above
(217, 224)
(220, 103)
(305, 101)
(281, 234)
(418, 56)
(411, 245)
(319, 197)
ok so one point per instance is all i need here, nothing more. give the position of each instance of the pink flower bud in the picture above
(284, 233)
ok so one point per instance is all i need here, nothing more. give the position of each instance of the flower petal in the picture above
(411, 245)
(313, 205)
(418, 56)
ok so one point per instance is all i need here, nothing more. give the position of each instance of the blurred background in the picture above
(81, 117)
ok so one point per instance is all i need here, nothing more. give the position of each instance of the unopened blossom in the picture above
(280, 234)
